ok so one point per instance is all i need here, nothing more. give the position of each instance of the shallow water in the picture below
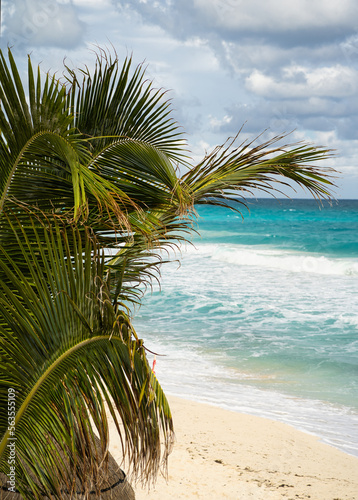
(262, 316)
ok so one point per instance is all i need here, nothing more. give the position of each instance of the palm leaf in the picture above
(93, 166)
(113, 102)
(67, 352)
(230, 173)
(20, 120)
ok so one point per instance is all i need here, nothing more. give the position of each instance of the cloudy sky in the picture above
(274, 65)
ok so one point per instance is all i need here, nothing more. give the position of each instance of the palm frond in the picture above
(20, 120)
(90, 196)
(143, 172)
(231, 173)
(113, 102)
(67, 352)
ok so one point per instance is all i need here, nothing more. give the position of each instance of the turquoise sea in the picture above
(261, 316)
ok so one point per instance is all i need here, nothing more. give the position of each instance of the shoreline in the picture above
(225, 454)
(333, 423)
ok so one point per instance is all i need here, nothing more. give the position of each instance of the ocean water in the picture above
(261, 315)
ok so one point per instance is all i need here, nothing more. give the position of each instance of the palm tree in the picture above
(90, 191)
(69, 353)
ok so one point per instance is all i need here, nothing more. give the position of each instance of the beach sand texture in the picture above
(222, 454)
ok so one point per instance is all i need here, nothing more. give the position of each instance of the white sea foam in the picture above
(270, 308)
(277, 259)
(186, 373)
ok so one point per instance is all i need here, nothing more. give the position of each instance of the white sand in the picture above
(220, 454)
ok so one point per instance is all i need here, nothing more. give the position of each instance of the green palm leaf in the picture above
(230, 173)
(113, 102)
(68, 352)
(90, 195)
(20, 120)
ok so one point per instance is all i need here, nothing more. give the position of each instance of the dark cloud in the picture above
(295, 60)
(275, 65)
(285, 115)
(347, 128)
(298, 23)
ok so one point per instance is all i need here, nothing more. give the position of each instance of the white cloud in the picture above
(219, 122)
(42, 22)
(92, 4)
(298, 81)
(269, 63)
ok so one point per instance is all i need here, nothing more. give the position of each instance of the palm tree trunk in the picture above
(114, 486)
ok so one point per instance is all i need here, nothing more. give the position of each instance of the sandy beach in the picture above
(222, 454)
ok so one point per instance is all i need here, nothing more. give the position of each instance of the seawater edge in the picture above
(220, 316)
